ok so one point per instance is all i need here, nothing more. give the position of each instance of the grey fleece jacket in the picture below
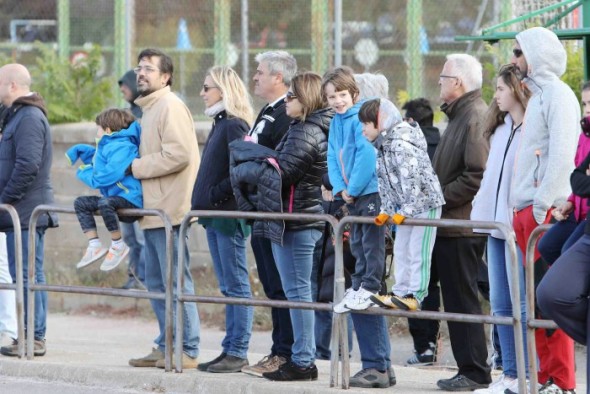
(545, 155)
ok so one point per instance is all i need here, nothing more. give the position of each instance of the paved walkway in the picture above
(91, 352)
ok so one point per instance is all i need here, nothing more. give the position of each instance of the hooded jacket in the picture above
(104, 166)
(351, 158)
(26, 155)
(545, 155)
(407, 182)
(460, 159)
(129, 80)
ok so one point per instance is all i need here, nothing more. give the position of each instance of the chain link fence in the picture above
(406, 40)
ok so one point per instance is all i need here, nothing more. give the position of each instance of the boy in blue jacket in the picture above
(104, 168)
(351, 168)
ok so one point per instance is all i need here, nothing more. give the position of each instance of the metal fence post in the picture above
(222, 17)
(63, 30)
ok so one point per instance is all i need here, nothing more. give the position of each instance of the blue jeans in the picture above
(323, 334)
(40, 296)
(282, 329)
(134, 238)
(560, 237)
(229, 261)
(373, 339)
(367, 244)
(155, 280)
(500, 300)
(294, 261)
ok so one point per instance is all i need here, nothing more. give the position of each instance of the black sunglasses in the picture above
(207, 87)
(290, 96)
(517, 52)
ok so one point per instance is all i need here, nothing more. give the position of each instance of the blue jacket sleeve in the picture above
(365, 162)
(117, 157)
(83, 152)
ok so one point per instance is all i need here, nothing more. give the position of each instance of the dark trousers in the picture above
(424, 332)
(282, 331)
(457, 262)
(85, 206)
(568, 304)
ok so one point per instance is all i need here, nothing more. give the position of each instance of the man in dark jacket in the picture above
(459, 162)
(128, 88)
(25, 163)
(132, 234)
(271, 82)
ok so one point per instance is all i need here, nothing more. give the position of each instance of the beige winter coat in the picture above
(169, 156)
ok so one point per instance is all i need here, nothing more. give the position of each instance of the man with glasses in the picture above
(459, 162)
(544, 162)
(271, 83)
(168, 163)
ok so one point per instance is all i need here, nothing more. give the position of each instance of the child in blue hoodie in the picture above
(104, 168)
(351, 168)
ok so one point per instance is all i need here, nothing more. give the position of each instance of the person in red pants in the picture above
(543, 162)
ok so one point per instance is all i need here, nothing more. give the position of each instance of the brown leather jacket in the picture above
(460, 159)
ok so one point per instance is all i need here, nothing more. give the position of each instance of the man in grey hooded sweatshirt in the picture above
(544, 160)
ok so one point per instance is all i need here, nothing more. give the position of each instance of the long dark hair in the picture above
(510, 75)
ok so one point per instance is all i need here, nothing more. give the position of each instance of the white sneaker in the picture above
(93, 253)
(361, 300)
(513, 388)
(348, 296)
(114, 257)
(499, 386)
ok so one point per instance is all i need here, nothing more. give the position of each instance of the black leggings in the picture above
(85, 206)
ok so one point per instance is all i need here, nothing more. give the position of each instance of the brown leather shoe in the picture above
(148, 361)
(187, 362)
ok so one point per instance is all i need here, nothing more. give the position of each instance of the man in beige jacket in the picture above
(167, 166)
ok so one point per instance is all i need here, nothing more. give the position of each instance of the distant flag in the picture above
(183, 41)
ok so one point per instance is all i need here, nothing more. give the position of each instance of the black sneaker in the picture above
(370, 378)
(228, 364)
(289, 371)
(428, 357)
(460, 383)
(203, 366)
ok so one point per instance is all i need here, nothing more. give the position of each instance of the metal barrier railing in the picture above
(167, 296)
(18, 285)
(182, 298)
(339, 332)
(532, 322)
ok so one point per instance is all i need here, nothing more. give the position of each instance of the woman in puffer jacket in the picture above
(301, 157)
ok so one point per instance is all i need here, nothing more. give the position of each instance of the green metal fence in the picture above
(406, 40)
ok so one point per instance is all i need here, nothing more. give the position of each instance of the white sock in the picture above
(117, 244)
(94, 242)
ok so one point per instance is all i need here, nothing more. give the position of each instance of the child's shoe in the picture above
(423, 359)
(361, 300)
(383, 301)
(406, 303)
(348, 297)
(115, 256)
(93, 253)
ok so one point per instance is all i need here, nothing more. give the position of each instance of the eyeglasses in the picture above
(147, 69)
(447, 76)
(290, 97)
(207, 87)
(517, 52)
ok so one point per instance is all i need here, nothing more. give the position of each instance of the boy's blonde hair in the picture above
(343, 79)
(235, 97)
(115, 119)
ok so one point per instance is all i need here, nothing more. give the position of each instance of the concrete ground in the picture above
(89, 354)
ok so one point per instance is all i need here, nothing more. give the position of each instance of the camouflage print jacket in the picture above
(407, 182)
